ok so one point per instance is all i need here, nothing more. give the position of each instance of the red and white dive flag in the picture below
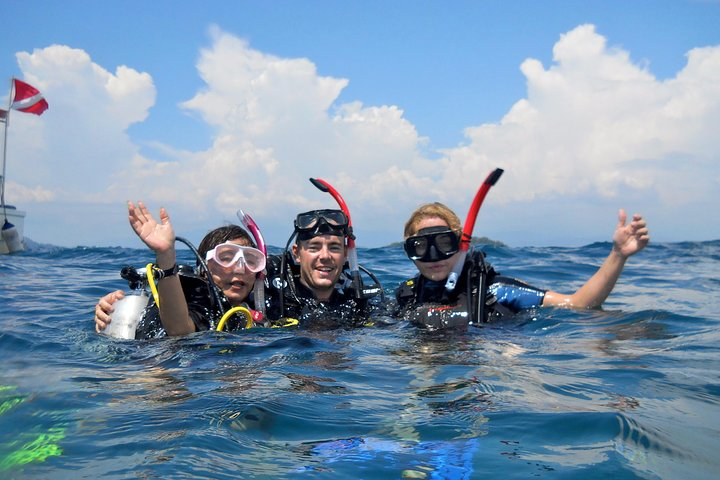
(28, 99)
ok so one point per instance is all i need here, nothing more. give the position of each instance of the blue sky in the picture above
(207, 107)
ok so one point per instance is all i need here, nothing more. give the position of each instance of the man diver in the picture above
(309, 282)
(432, 238)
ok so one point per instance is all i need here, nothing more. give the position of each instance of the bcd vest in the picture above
(470, 303)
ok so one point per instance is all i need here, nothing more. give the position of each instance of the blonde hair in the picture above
(431, 210)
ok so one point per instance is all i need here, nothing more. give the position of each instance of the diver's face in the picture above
(321, 260)
(235, 281)
(441, 269)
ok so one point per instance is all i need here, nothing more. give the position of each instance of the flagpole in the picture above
(4, 157)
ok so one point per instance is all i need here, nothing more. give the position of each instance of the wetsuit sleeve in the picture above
(516, 295)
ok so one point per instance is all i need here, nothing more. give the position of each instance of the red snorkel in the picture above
(324, 186)
(491, 179)
(259, 288)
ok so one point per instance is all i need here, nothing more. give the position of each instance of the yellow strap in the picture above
(248, 317)
(151, 282)
(289, 322)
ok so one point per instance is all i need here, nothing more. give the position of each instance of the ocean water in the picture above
(630, 391)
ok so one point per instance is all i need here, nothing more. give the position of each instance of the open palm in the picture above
(159, 237)
(631, 238)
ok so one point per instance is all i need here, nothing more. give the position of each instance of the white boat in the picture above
(12, 241)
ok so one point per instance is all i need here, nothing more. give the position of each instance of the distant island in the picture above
(473, 241)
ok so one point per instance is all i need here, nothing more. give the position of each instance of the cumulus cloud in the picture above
(278, 124)
(593, 125)
(73, 150)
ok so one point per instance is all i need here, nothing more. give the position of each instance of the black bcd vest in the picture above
(429, 304)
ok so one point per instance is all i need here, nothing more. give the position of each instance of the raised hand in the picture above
(159, 237)
(631, 238)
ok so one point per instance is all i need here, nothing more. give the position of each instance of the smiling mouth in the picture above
(325, 270)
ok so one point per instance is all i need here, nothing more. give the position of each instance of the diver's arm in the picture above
(160, 238)
(173, 307)
(595, 290)
(627, 240)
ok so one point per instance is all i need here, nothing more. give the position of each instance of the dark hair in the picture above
(223, 234)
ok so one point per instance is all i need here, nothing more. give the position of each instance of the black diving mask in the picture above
(322, 222)
(432, 244)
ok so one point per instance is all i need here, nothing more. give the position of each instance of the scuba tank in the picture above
(128, 311)
(126, 315)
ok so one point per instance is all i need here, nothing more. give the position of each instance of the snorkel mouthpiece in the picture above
(452, 281)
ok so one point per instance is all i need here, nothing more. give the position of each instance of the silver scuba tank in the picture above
(126, 315)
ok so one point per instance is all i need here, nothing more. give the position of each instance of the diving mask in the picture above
(228, 254)
(322, 222)
(432, 244)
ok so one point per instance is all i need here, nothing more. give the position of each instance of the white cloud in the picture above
(594, 125)
(278, 125)
(81, 142)
(24, 194)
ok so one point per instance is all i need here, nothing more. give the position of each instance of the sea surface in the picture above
(630, 391)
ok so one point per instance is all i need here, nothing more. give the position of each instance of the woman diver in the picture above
(432, 242)
(186, 306)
